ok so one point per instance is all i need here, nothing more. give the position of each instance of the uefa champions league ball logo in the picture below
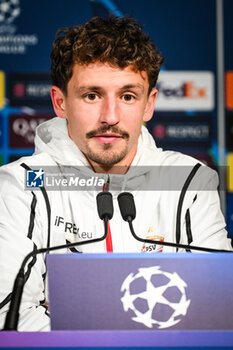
(155, 297)
(9, 10)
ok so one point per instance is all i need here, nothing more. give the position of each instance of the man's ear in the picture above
(58, 100)
(149, 111)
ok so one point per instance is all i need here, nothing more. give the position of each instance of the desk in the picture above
(118, 339)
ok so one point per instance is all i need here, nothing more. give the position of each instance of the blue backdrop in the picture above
(184, 31)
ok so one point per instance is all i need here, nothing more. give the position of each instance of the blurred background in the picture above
(194, 111)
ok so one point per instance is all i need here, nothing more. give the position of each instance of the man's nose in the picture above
(109, 112)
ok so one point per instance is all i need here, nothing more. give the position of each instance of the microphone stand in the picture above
(128, 213)
(12, 317)
(170, 244)
(105, 211)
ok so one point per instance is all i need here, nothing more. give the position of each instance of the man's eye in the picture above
(91, 97)
(128, 97)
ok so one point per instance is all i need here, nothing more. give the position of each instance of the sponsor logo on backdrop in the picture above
(1, 132)
(230, 172)
(155, 298)
(229, 130)
(32, 90)
(12, 42)
(2, 89)
(9, 10)
(182, 131)
(229, 213)
(22, 129)
(229, 90)
(29, 89)
(184, 90)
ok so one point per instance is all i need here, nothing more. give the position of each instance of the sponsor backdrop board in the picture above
(176, 131)
(1, 131)
(187, 86)
(29, 89)
(184, 91)
(230, 172)
(22, 129)
(230, 211)
(2, 89)
(229, 90)
(229, 131)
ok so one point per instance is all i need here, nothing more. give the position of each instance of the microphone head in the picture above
(127, 205)
(104, 205)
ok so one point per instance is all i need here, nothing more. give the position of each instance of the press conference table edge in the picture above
(150, 339)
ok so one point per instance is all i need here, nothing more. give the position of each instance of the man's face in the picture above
(105, 107)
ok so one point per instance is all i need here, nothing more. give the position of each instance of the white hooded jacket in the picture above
(169, 207)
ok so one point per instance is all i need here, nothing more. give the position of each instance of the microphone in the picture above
(105, 211)
(128, 213)
(104, 205)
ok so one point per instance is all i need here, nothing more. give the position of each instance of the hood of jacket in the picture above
(53, 139)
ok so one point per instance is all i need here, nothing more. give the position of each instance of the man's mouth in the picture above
(107, 137)
(108, 134)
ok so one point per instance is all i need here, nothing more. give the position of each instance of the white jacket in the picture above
(166, 210)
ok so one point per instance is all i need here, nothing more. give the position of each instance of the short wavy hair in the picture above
(119, 41)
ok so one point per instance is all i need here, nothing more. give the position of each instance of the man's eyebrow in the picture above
(85, 88)
(133, 86)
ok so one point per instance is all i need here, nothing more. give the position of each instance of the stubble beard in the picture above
(107, 157)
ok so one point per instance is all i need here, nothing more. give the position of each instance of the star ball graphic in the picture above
(9, 10)
(155, 297)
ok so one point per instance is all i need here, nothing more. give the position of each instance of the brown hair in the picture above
(119, 41)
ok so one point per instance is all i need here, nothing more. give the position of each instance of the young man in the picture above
(103, 76)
